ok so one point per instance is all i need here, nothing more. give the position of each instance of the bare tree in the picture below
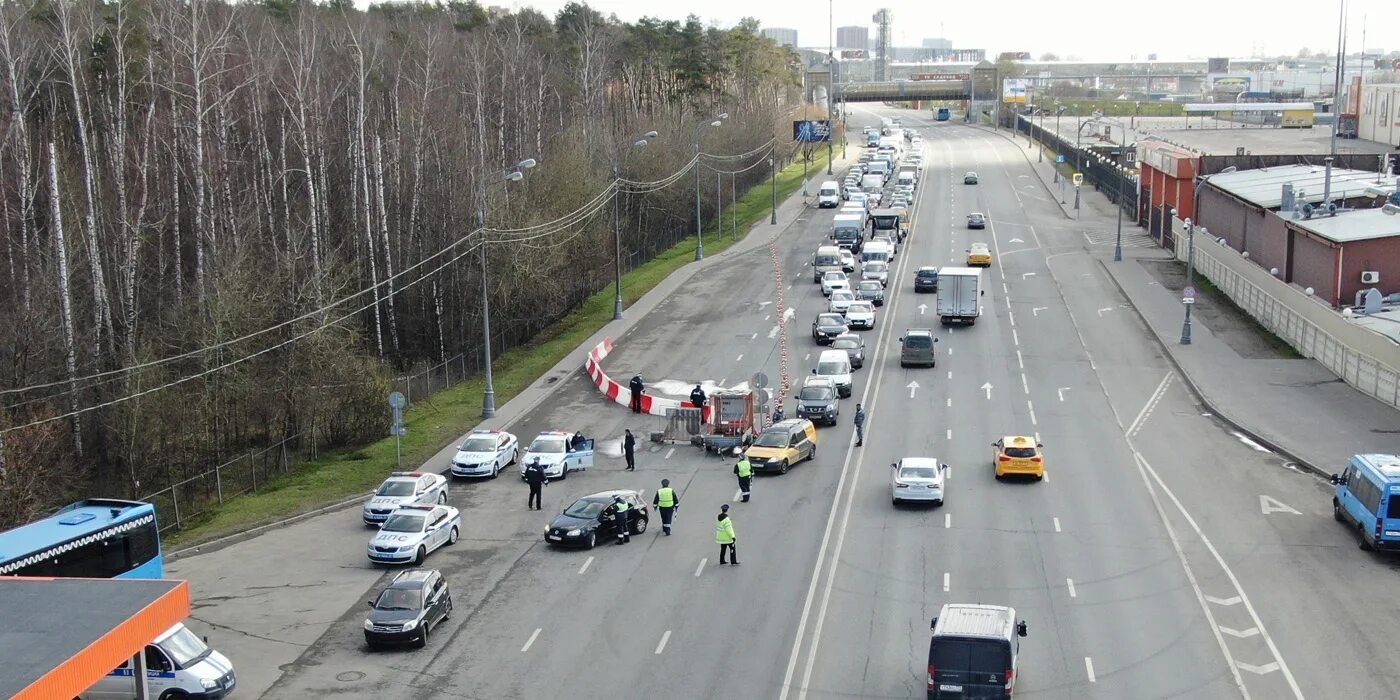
(65, 297)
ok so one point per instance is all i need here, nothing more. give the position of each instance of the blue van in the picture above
(1368, 497)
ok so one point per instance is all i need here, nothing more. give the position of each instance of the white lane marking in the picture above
(1031, 407)
(950, 433)
(1147, 407)
(1108, 308)
(1045, 476)
(948, 402)
(1224, 602)
(1240, 634)
(947, 581)
(701, 568)
(740, 357)
(753, 337)
(1035, 310)
(587, 563)
(531, 640)
(790, 285)
(947, 473)
(1027, 274)
(1015, 338)
(1037, 438)
(1089, 669)
(1070, 583)
(1258, 670)
(1056, 520)
(768, 317)
(1009, 315)
(1269, 504)
(950, 374)
(773, 332)
(947, 520)
(1024, 386)
(950, 351)
(1019, 361)
(808, 357)
(1004, 289)
(661, 645)
(1061, 391)
(669, 453)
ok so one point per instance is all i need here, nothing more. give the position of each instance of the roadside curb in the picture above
(235, 538)
(1195, 389)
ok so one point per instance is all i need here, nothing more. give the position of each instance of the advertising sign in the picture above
(1013, 90)
(938, 76)
(811, 130)
(1231, 83)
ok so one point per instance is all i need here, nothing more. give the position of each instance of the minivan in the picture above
(829, 195)
(877, 251)
(916, 347)
(973, 652)
(178, 664)
(827, 259)
(783, 444)
(837, 365)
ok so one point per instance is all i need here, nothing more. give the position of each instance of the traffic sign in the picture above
(1188, 300)
(759, 380)
(1189, 293)
(397, 400)
(1059, 158)
(1078, 179)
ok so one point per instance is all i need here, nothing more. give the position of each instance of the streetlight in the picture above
(504, 177)
(1118, 245)
(699, 237)
(1190, 267)
(617, 218)
(773, 181)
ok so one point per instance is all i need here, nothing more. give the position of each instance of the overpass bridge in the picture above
(904, 90)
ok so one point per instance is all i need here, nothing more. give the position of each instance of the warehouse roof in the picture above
(1348, 226)
(1264, 187)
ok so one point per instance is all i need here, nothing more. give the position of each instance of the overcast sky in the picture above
(1088, 30)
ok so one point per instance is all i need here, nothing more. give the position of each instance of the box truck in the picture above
(959, 295)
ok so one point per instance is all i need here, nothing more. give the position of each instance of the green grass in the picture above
(1111, 108)
(439, 419)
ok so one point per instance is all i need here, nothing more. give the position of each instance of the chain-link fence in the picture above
(1106, 173)
(242, 474)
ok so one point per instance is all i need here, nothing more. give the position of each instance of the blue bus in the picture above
(1368, 498)
(96, 538)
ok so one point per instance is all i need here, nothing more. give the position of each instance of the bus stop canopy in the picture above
(61, 635)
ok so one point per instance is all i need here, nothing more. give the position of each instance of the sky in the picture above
(1086, 30)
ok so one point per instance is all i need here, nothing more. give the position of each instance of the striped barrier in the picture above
(619, 393)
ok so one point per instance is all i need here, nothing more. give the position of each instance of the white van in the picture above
(872, 183)
(848, 231)
(178, 664)
(836, 364)
(877, 251)
(906, 177)
(829, 195)
(827, 259)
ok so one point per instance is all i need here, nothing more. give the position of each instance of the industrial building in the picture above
(853, 38)
(1379, 118)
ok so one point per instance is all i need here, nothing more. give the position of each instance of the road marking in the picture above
(947, 473)
(1045, 476)
(768, 317)
(1269, 504)
(1259, 670)
(1020, 362)
(531, 640)
(948, 402)
(1015, 338)
(1147, 407)
(1089, 669)
(661, 645)
(950, 351)
(753, 337)
(773, 332)
(1056, 520)
(947, 520)
(1035, 310)
(1024, 386)
(1070, 583)
(987, 387)
(1027, 274)
(1010, 316)
(701, 568)
(1110, 308)
(1037, 438)
(950, 433)
(912, 387)
(1031, 407)
(670, 452)
(1004, 289)
(740, 357)
(947, 581)
(1224, 602)
(587, 563)
(1061, 391)
(1239, 634)
(808, 357)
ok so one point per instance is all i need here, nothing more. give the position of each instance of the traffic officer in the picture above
(636, 386)
(697, 396)
(725, 537)
(744, 471)
(860, 425)
(667, 501)
(536, 478)
(629, 449)
(620, 512)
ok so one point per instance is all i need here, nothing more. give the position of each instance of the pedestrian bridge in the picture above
(904, 90)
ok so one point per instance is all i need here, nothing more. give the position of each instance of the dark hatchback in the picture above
(828, 326)
(926, 279)
(582, 524)
(406, 611)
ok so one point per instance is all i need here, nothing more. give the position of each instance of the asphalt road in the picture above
(1146, 564)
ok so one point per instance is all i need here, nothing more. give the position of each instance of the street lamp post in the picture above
(617, 220)
(1118, 244)
(1058, 139)
(733, 207)
(700, 237)
(488, 398)
(773, 183)
(1190, 267)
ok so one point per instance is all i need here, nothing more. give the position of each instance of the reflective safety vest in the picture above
(620, 507)
(724, 532)
(666, 497)
(743, 468)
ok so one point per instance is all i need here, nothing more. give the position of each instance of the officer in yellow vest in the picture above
(620, 509)
(725, 537)
(744, 471)
(666, 501)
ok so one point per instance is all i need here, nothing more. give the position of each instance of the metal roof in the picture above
(1264, 187)
(1349, 226)
(992, 621)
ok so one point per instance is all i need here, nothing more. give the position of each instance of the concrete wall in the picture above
(1364, 359)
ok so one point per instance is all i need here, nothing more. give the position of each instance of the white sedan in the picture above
(833, 280)
(404, 488)
(848, 261)
(859, 314)
(555, 451)
(485, 453)
(841, 300)
(917, 479)
(413, 532)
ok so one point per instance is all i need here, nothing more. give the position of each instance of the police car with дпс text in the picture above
(412, 533)
(485, 453)
(403, 488)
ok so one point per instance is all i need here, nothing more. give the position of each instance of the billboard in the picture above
(852, 54)
(811, 130)
(1231, 83)
(939, 76)
(1013, 90)
(1217, 65)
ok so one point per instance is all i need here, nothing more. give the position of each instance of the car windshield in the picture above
(918, 341)
(827, 260)
(831, 368)
(870, 285)
(399, 599)
(860, 308)
(876, 267)
(841, 296)
(397, 487)
(832, 276)
(918, 473)
(1021, 452)
(184, 647)
(478, 444)
(584, 508)
(548, 445)
(928, 274)
(772, 438)
(403, 522)
(830, 320)
(845, 343)
(814, 393)
(828, 190)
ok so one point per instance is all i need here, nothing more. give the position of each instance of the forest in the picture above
(228, 223)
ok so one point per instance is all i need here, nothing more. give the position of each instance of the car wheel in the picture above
(998, 476)
(1364, 543)
(592, 541)
(174, 695)
(938, 503)
(419, 556)
(423, 636)
(639, 526)
(1040, 477)
(1337, 511)
(452, 536)
(448, 612)
(782, 467)
(514, 455)
(894, 501)
(442, 498)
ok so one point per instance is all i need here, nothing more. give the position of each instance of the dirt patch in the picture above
(1222, 316)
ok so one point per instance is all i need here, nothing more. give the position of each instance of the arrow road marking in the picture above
(1240, 634)
(1260, 670)
(988, 388)
(1061, 391)
(922, 309)
(1103, 310)
(1016, 240)
(1269, 504)
(1227, 602)
(912, 387)
(1035, 310)
(1027, 274)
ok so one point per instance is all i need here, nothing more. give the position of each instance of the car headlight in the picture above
(575, 532)
(411, 624)
(369, 625)
(209, 683)
(546, 529)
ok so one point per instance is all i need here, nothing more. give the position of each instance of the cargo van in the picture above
(877, 251)
(178, 664)
(848, 230)
(829, 195)
(907, 176)
(836, 364)
(872, 182)
(827, 259)
(974, 652)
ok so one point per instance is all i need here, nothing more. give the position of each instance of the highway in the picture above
(1146, 563)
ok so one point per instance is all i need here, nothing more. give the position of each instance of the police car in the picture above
(412, 532)
(485, 453)
(553, 449)
(402, 488)
(178, 665)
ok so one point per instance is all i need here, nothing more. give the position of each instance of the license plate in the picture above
(950, 688)
(551, 537)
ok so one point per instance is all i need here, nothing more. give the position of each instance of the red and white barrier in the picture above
(619, 393)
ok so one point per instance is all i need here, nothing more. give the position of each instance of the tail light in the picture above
(1003, 458)
(901, 485)
(931, 672)
(1010, 679)
(1035, 459)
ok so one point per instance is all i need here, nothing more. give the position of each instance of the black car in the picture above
(583, 524)
(926, 279)
(828, 326)
(408, 609)
(976, 220)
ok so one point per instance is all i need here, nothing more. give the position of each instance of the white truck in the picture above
(959, 295)
(827, 259)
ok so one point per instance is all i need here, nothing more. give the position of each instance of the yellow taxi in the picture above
(979, 255)
(783, 444)
(1018, 455)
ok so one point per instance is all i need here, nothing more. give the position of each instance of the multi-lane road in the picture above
(1161, 557)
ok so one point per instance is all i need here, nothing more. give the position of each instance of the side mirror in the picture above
(994, 444)
(1039, 445)
(945, 468)
(932, 623)
(935, 340)
(369, 603)
(1021, 628)
(894, 465)
(901, 338)
(1336, 479)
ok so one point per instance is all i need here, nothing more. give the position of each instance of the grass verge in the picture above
(441, 418)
